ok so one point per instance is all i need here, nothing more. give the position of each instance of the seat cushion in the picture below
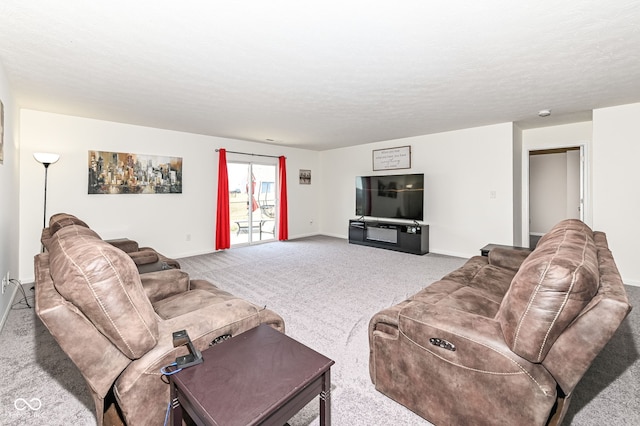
(192, 300)
(477, 287)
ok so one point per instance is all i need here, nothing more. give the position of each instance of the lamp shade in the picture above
(46, 157)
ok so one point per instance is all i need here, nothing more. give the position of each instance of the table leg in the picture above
(176, 408)
(325, 400)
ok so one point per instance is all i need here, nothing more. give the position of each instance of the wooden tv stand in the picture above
(406, 237)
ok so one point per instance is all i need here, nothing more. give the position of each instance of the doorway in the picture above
(556, 188)
(252, 202)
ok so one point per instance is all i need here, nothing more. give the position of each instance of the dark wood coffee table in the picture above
(259, 377)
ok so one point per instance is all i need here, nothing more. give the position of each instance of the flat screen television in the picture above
(391, 196)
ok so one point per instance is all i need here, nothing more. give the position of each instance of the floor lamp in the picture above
(46, 159)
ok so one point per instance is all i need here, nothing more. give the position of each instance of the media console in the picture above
(406, 237)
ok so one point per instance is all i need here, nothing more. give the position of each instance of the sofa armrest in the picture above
(125, 244)
(507, 258)
(477, 342)
(162, 284)
(420, 322)
(144, 257)
(172, 263)
(460, 376)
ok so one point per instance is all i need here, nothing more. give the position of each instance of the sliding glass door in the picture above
(252, 202)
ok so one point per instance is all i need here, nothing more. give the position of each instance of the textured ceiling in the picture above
(321, 74)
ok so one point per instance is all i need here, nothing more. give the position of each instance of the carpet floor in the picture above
(326, 290)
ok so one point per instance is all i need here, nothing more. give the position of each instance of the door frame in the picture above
(250, 164)
(585, 187)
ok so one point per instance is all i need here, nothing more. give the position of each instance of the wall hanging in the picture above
(126, 173)
(305, 177)
(392, 158)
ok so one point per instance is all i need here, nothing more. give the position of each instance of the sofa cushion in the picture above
(60, 220)
(477, 287)
(228, 308)
(161, 284)
(550, 289)
(57, 222)
(103, 282)
(566, 224)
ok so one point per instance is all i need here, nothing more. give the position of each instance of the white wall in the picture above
(9, 238)
(616, 198)
(161, 221)
(462, 169)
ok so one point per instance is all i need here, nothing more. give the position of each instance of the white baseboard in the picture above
(341, 236)
(5, 314)
(454, 253)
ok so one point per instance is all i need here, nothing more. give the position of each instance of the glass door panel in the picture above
(252, 202)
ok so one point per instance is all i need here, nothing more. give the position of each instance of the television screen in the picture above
(391, 196)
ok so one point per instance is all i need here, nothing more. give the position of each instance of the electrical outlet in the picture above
(5, 282)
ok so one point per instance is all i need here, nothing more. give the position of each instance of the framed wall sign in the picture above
(392, 158)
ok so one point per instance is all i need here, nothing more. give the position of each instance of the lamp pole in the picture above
(46, 159)
(44, 218)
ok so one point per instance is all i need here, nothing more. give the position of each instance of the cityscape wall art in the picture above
(126, 173)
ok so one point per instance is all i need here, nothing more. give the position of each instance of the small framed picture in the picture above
(305, 177)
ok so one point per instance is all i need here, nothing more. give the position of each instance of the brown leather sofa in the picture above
(116, 324)
(505, 339)
(145, 258)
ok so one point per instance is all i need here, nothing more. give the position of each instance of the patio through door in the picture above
(252, 202)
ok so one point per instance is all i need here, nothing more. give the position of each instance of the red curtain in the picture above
(223, 224)
(283, 218)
